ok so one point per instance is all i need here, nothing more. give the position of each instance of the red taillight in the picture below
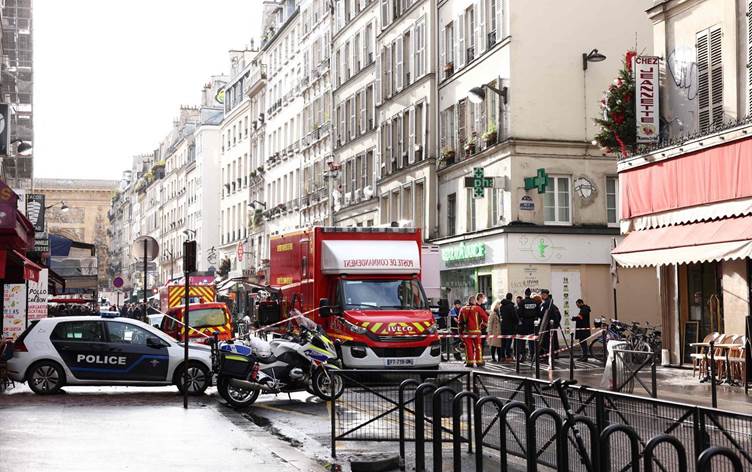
(19, 346)
(254, 372)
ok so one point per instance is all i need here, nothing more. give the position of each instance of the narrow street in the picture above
(130, 428)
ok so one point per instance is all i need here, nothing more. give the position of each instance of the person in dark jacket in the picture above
(509, 321)
(554, 321)
(527, 314)
(582, 327)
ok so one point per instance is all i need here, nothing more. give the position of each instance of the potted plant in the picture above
(470, 145)
(447, 155)
(489, 137)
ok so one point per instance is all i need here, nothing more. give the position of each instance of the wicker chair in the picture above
(702, 354)
(738, 360)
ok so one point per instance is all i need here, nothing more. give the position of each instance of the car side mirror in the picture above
(324, 308)
(153, 341)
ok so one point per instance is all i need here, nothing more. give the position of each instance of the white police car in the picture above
(86, 350)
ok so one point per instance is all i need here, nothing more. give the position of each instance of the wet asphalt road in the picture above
(136, 429)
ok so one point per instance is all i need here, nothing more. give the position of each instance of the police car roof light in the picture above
(109, 314)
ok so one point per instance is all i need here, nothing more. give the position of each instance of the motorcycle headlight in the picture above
(355, 328)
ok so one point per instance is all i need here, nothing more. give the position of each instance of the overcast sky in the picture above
(109, 75)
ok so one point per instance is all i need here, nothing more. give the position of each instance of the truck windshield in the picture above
(207, 317)
(382, 294)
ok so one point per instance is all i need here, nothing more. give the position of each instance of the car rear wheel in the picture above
(45, 377)
(195, 378)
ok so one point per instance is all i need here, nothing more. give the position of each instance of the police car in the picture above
(86, 350)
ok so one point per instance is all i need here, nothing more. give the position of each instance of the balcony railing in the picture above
(470, 54)
(491, 39)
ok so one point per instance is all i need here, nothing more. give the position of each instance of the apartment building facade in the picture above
(506, 119)
(685, 200)
(235, 162)
(258, 240)
(351, 177)
(282, 50)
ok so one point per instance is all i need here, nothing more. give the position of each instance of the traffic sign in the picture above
(118, 282)
(145, 247)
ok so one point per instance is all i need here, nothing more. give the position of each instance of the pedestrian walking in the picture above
(509, 322)
(527, 314)
(582, 327)
(494, 333)
(471, 319)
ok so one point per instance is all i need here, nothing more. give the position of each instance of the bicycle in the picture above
(561, 386)
(615, 331)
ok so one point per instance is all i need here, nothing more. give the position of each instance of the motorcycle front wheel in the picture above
(327, 385)
(234, 396)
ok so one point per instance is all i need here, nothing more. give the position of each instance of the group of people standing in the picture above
(522, 317)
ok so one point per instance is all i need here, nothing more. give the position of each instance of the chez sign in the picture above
(646, 70)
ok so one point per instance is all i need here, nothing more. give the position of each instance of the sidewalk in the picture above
(135, 429)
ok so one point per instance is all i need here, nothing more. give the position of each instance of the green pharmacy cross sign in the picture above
(540, 181)
(479, 182)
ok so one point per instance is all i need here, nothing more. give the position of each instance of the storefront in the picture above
(572, 266)
(16, 238)
(687, 210)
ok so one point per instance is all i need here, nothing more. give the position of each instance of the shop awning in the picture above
(708, 241)
(30, 269)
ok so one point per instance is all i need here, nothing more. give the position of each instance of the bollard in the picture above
(713, 392)
(436, 432)
(401, 399)
(571, 355)
(653, 378)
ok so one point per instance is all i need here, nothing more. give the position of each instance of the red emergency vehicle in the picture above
(370, 279)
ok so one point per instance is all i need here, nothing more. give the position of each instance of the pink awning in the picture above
(718, 240)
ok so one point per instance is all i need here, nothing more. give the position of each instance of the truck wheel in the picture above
(236, 397)
(327, 385)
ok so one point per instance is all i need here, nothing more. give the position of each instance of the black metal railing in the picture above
(569, 428)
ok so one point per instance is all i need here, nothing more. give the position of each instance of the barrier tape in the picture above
(286, 320)
(577, 342)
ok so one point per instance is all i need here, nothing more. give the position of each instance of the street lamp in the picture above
(63, 207)
(477, 94)
(592, 56)
(256, 202)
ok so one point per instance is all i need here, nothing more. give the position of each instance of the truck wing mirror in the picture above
(324, 308)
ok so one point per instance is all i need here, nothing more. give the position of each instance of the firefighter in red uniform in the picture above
(471, 320)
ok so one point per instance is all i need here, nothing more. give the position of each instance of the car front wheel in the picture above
(45, 377)
(195, 378)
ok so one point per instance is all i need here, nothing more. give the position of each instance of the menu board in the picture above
(38, 296)
(14, 310)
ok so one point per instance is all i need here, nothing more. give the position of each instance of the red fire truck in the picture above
(363, 286)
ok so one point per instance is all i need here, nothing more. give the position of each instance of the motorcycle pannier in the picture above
(236, 365)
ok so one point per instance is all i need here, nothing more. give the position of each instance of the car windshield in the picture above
(207, 317)
(382, 294)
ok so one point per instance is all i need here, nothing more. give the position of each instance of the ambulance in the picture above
(363, 287)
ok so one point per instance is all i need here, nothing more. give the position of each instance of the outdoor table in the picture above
(728, 347)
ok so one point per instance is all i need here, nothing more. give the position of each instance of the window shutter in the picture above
(364, 47)
(461, 42)
(411, 141)
(388, 79)
(380, 152)
(716, 75)
(442, 52)
(424, 119)
(480, 7)
(703, 80)
(398, 72)
(363, 118)
(499, 19)
(412, 65)
(388, 141)
(377, 88)
(461, 134)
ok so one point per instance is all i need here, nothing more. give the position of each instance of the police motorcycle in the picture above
(301, 360)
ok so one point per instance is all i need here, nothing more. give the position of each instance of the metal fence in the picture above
(523, 417)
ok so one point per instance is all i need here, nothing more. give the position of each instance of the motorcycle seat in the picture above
(270, 359)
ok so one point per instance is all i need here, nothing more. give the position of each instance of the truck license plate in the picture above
(399, 362)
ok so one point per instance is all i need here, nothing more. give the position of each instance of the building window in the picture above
(420, 48)
(612, 200)
(557, 201)
(451, 214)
